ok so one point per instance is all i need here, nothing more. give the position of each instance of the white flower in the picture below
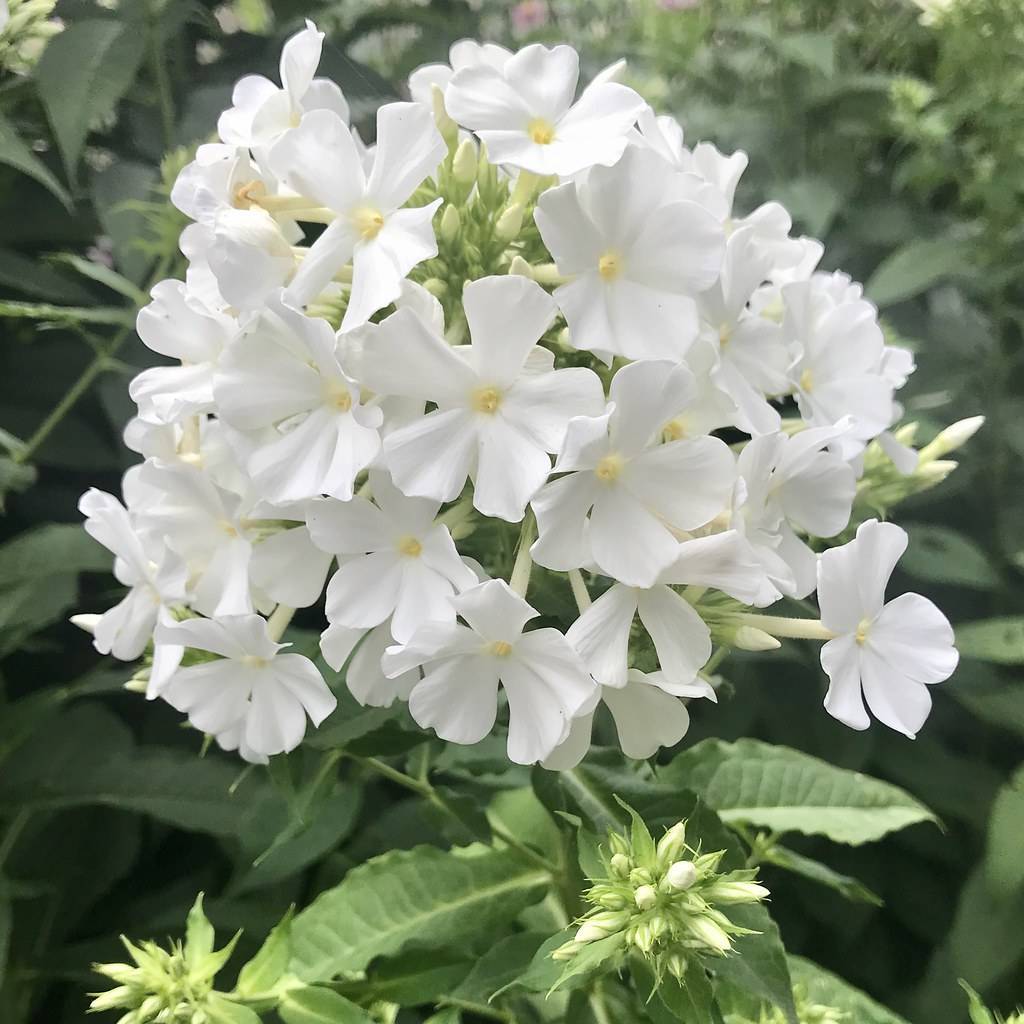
(363, 651)
(525, 114)
(839, 367)
(232, 567)
(156, 576)
(888, 652)
(320, 160)
(639, 494)
(648, 713)
(638, 249)
(501, 408)
(464, 53)
(252, 697)
(281, 382)
(793, 482)
(178, 325)
(752, 356)
(543, 677)
(681, 638)
(261, 112)
(394, 560)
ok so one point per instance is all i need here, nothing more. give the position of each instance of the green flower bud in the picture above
(736, 892)
(750, 638)
(451, 223)
(436, 287)
(519, 267)
(445, 125)
(509, 223)
(954, 436)
(640, 876)
(671, 844)
(464, 164)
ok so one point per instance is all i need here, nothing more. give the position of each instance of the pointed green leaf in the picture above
(785, 790)
(82, 74)
(814, 870)
(827, 989)
(425, 896)
(15, 153)
(317, 1005)
(1000, 640)
(265, 969)
(198, 934)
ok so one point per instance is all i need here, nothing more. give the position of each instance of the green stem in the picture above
(480, 1009)
(13, 834)
(163, 86)
(519, 578)
(425, 789)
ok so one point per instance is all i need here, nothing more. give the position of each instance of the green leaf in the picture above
(424, 895)
(828, 989)
(813, 50)
(33, 277)
(14, 477)
(1004, 863)
(976, 1008)
(542, 973)
(916, 267)
(850, 888)
(416, 978)
(82, 74)
(104, 275)
(54, 549)
(940, 555)
(784, 790)
(757, 965)
(1000, 640)
(505, 961)
(220, 1010)
(669, 1000)
(59, 768)
(48, 313)
(320, 1006)
(15, 153)
(265, 969)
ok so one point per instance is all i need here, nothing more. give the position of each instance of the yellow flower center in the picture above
(339, 396)
(368, 221)
(410, 546)
(541, 131)
(228, 527)
(500, 648)
(486, 400)
(249, 194)
(862, 630)
(253, 662)
(609, 266)
(724, 334)
(806, 380)
(675, 429)
(609, 468)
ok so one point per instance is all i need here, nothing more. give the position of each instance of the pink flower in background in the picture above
(528, 15)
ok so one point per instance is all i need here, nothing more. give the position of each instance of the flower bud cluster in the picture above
(166, 986)
(664, 901)
(25, 28)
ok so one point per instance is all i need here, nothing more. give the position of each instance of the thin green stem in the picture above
(579, 590)
(163, 85)
(13, 834)
(519, 578)
(480, 1009)
(426, 789)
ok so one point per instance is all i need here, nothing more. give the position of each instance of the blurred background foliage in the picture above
(893, 131)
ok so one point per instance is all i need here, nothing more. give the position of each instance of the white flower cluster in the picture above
(602, 302)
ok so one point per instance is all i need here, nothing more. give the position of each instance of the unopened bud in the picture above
(736, 892)
(750, 638)
(520, 267)
(640, 876)
(620, 865)
(644, 938)
(646, 897)
(682, 875)
(84, 621)
(464, 163)
(931, 473)
(451, 223)
(509, 223)
(612, 901)
(953, 437)
(136, 685)
(436, 286)
(676, 965)
(618, 843)
(112, 999)
(906, 434)
(601, 925)
(671, 844)
(710, 934)
(445, 125)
